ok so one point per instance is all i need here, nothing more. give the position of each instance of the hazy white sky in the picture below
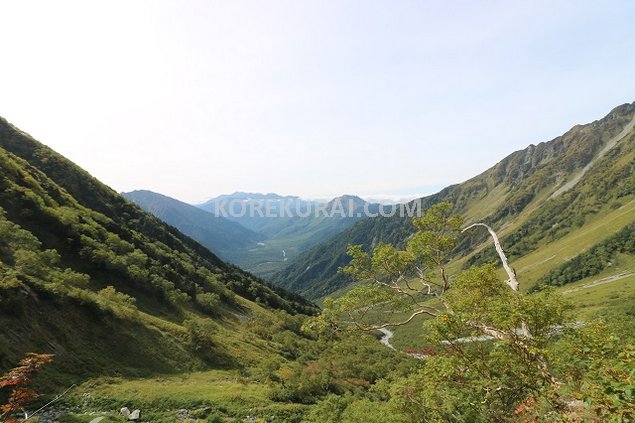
(315, 98)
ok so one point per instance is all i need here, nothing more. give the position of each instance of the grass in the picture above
(204, 394)
(209, 395)
(616, 295)
(534, 265)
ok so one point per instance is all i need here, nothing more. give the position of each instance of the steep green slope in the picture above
(107, 287)
(535, 196)
(225, 238)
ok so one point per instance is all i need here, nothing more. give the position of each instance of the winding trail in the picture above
(385, 339)
(599, 282)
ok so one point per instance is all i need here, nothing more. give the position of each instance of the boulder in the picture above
(125, 412)
(135, 415)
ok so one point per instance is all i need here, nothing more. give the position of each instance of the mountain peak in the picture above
(348, 199)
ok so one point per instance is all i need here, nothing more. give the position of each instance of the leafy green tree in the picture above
(209, 301)
(36, 263)
(492, 340)
(111, 295)
(399, 279)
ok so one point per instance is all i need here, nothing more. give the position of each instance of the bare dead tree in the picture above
(512, 282)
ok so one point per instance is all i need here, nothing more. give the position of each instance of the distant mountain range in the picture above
(237, 207)
(258, 232)
(564, 196)
(536, 196)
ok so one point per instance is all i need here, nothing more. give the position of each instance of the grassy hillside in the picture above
(107, 287)
(534, 197)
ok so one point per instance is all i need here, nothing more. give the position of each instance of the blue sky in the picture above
(313, 98)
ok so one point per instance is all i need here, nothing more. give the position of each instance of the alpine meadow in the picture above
(305, 224)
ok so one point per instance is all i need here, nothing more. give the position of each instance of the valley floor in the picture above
(199, 395)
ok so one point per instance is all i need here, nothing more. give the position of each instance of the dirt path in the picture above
(599, 282)
(385, 339)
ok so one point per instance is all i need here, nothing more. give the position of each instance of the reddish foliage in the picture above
(18, 379)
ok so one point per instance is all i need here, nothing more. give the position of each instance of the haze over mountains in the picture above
(215, 232)
(258, 232)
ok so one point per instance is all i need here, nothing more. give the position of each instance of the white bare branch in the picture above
(428, 310)
(512, 282)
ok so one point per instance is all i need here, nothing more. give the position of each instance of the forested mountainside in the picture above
(91, 277)
(535, 196)
(224, 237)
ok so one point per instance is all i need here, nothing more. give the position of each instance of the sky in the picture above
(194, 99)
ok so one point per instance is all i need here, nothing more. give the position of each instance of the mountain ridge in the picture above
(222, 236)
(503, 196)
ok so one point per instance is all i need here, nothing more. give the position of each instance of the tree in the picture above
(493, 338)
(18, 380)
(111, 294)
(404, 279)
(209, 301)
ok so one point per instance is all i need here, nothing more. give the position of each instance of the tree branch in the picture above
(408, 320)
(57, 398)
(512, 282)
